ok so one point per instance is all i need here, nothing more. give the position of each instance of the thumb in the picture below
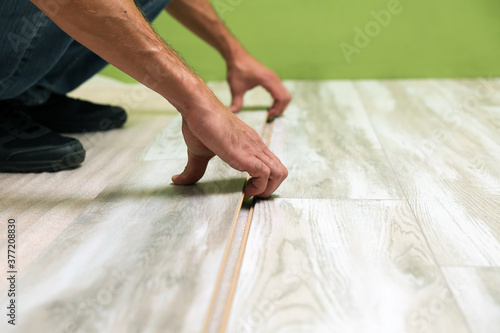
(237, 102)
(194, 170)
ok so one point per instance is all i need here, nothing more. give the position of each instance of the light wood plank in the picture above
(447, 163)
(45, 204)
(143, 256)
(328, 145)
(477, 291)
(345, 265)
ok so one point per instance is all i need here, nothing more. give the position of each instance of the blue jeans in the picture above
(38, 59)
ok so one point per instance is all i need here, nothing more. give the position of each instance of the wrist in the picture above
(188, 96)
(234, 54)
(197, 100)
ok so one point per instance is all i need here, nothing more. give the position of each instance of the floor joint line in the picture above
(266, 131)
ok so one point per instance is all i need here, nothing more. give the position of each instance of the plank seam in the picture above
(270, 125)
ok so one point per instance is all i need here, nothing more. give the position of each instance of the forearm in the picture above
(200, 17)
(116, 31)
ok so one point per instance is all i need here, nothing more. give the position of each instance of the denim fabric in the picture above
(37, 58)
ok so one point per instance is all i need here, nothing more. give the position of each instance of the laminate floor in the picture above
(389, 220)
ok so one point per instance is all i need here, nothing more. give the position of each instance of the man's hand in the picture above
(219, 132)
(209, 127)
(244, 72)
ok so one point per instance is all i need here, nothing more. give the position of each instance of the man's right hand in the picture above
(220, 132)
(209, 127)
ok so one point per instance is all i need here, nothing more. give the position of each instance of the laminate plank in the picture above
(130, 252)
(317, 265)
(45, 204)
(446, 161)
(326, 141)
(142, 257)
(477, 291)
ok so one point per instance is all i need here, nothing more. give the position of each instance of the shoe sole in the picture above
(70, 160)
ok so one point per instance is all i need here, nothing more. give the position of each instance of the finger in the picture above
(279, 105)
(195, 169)
(258, 183)
(237, 102)
(278, 173)
(280, 95)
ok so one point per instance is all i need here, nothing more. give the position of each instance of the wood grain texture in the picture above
(141, 241)
(477, 291)
(391, 183)
(340, 265)
(142, 257)
(446, 159)
(45, 204)
(327, 143)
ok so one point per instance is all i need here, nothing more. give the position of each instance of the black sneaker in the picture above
(28, 147)
(63, 114)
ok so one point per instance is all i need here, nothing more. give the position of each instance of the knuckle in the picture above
(270, 76)
(266, 172)
(284, 173)
(236, 164)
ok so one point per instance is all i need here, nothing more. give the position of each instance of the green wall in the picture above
(310, 39)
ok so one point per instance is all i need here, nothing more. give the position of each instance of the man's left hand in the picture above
(245, 73)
